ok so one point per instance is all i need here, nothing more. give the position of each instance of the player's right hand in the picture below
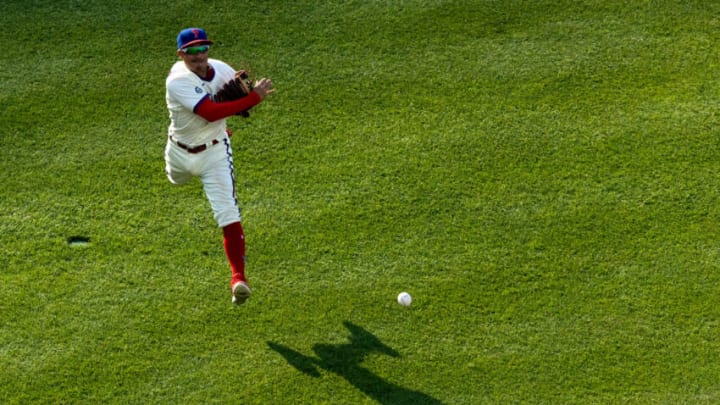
(263, 87)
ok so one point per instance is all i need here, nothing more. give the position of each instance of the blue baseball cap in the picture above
(192, 36)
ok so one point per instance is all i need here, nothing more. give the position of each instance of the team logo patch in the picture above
(198, 90)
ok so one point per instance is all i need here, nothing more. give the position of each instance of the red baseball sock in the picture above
(234, 242)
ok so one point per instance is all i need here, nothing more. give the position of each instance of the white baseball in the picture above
(404, 299)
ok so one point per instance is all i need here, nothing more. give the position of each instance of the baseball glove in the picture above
(236, 88)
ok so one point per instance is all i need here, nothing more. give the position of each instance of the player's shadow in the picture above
(345, 359)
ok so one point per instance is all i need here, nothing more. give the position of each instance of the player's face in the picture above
(196, 60)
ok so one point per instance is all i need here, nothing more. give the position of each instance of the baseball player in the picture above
(199, 144)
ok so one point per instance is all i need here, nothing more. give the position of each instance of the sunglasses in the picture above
(194, 50)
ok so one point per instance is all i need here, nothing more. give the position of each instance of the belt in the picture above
(194, 149)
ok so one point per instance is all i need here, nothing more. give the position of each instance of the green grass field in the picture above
(541, 176)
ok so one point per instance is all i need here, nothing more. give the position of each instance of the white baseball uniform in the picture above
(212, 160)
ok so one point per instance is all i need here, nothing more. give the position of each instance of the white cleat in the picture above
(240, 293)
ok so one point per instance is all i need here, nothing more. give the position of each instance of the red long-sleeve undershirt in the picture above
(213, 111)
